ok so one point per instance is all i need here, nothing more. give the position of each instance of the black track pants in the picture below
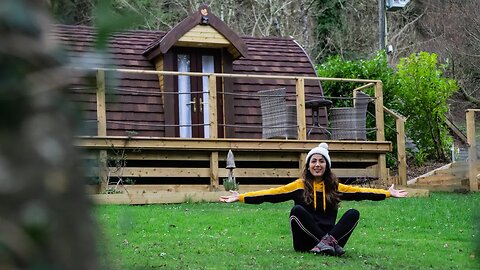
(306, 233)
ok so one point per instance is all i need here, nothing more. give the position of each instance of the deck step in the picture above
(451, 177)
(448, 188)
(442, 180)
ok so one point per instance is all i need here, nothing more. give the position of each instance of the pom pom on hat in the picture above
(321, 149)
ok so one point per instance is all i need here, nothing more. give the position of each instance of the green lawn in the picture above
(436, 232)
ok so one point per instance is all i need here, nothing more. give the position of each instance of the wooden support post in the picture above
(103, 169)
(214, 171)
(472, 150)
(102, 129)
(301, 163)
(401, 153)
(301, 121)
(379, 119)
(380, 123)
(101, 106)
(212, 106)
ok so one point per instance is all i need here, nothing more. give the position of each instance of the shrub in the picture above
(376, 68)
(423, 94)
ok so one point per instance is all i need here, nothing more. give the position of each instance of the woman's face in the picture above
(317, 165)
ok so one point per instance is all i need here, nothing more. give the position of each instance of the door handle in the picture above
(201, 105)
(193, 104)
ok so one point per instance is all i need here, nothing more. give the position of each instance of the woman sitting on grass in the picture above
(317, 197)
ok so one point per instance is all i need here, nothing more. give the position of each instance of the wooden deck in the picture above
(142, 166)
(186, 165)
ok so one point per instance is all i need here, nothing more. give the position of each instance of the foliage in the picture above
(111, 190)
(376, 68)
(72, 11)
(155, 15)
(328, 19)
(230, 184)
(44, 214)
(424, 92)
(419, 157)
(412, 233)
(108, 20)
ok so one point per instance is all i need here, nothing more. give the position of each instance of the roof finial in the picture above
(204, 10)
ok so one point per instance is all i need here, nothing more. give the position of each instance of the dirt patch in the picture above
(415, 171)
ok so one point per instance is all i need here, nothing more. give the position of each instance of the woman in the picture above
(317, 196)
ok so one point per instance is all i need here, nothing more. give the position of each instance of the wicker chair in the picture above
(349, 123)
(279, 120)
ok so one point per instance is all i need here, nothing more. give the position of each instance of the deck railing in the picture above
(300, 108)
(472, 149)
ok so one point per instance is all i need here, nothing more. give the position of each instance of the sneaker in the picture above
(339, 251)
(324, 246)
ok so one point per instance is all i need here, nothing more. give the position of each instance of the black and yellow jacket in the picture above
(324, 216)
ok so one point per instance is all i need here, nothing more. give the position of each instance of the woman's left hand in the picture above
(233, 197)
(397, 193)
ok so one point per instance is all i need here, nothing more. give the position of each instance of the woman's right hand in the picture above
(233, 197)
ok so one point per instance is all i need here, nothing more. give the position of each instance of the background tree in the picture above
(452, 30)
(72, 11)
(45, 219)
(247, 17)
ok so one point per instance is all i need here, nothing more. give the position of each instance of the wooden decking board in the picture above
(447, 188)
(259, 173)
(227, 144)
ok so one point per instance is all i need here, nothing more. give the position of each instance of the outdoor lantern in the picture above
(230, 182)
(393, 5)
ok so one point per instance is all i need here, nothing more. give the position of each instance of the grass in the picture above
(414, 233)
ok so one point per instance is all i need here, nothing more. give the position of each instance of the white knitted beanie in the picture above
(321, 149)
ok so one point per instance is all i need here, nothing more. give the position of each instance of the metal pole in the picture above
(381, 24)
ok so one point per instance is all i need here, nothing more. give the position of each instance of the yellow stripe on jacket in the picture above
(295, 189)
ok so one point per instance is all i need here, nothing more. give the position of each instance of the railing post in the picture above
(101, 106)
(472, 150)
(379, 120)
(212, 105)
(401, 153)
(214, 171)
(212, 109)
(102, 129)
(301, 121)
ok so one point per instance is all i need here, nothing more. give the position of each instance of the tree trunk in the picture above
(45, 219)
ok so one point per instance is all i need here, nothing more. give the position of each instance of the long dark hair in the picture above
(330, 181)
